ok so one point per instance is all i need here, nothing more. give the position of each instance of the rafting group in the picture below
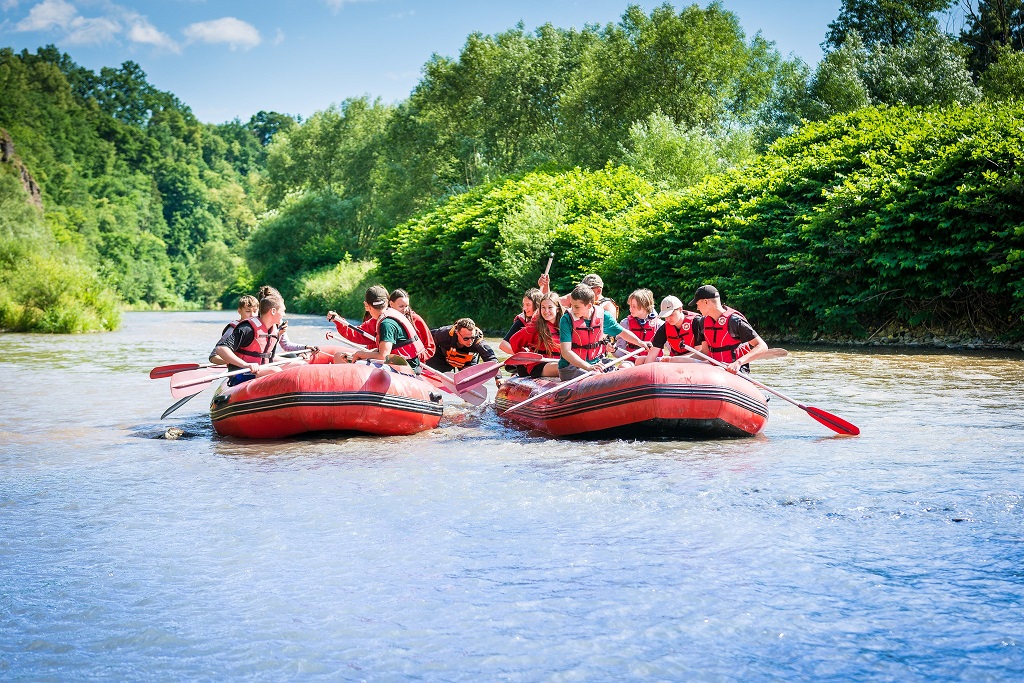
(679, 371)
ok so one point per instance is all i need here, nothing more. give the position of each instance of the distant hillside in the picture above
(146, 203)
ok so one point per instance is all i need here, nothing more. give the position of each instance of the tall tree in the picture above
(886, 22)
(990, 25)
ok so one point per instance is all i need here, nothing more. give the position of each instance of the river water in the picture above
(479, 552)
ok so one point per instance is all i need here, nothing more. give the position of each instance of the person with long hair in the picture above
(541, 336)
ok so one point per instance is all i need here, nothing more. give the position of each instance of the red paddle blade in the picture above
(476, 375)
(833, 422)
(168, 370)
(523, 357)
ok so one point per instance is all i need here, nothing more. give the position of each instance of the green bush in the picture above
(476, 254)
(340, 288)
(879, 221)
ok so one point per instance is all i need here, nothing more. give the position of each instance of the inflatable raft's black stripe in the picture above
(709, 392)
(326, 398)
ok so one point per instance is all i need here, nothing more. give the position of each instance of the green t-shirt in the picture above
(609, 327)
(391, 331)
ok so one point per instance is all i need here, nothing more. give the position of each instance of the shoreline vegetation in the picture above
(877, 199)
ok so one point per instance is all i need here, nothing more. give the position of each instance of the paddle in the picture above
(161, 371)
(178, 404)
(194, 381)
(566, 383)
(551, 257)
(526, 357)
(475, 396)
(833, 422)
(771, 354)
(475, 375)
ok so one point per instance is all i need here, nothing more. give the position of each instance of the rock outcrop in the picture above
(9, 156)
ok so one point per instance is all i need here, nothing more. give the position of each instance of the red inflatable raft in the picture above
(357, 397)
(682, 400)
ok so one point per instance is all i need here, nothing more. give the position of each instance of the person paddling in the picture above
(399, 300)
(459, 346)
(641, 321)
(395, 333)
(252, 342)
(540, 336)
(283, 342)
(727, 335)
(363, 334)
(681, 327)
(581, 332)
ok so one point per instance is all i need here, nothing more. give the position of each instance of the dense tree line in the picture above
(135, 190)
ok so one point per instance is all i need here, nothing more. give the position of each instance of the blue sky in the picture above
(226, 58)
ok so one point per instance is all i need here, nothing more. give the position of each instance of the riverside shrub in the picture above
(880, 221)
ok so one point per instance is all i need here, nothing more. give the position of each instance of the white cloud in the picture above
(8, 4)
(79, 30)
(48, 14)
(278, 37)
(92, 31)
(141, 31)
(234, 32)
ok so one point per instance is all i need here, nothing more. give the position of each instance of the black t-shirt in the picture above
(517, 325)
(237, 338)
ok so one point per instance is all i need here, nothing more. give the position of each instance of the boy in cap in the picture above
(595, 283)
(682, 327)
(727, 336)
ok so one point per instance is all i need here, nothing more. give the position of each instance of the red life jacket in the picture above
(261, 348)
(411, 347)
(423, 332)
(230, 326)
(645, 329)
(677, 336)
(588, 335)
(723, 346)
(532, 338)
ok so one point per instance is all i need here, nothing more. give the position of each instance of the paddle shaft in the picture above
(551, 257)
(566, 383)
(212, 378)
(833, 422)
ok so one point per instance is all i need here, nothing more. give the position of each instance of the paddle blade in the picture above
(177, 404)
(476, 375)
(197, 380)
(476, 396)
(523, 357)
(168, 370)
(833, 422)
